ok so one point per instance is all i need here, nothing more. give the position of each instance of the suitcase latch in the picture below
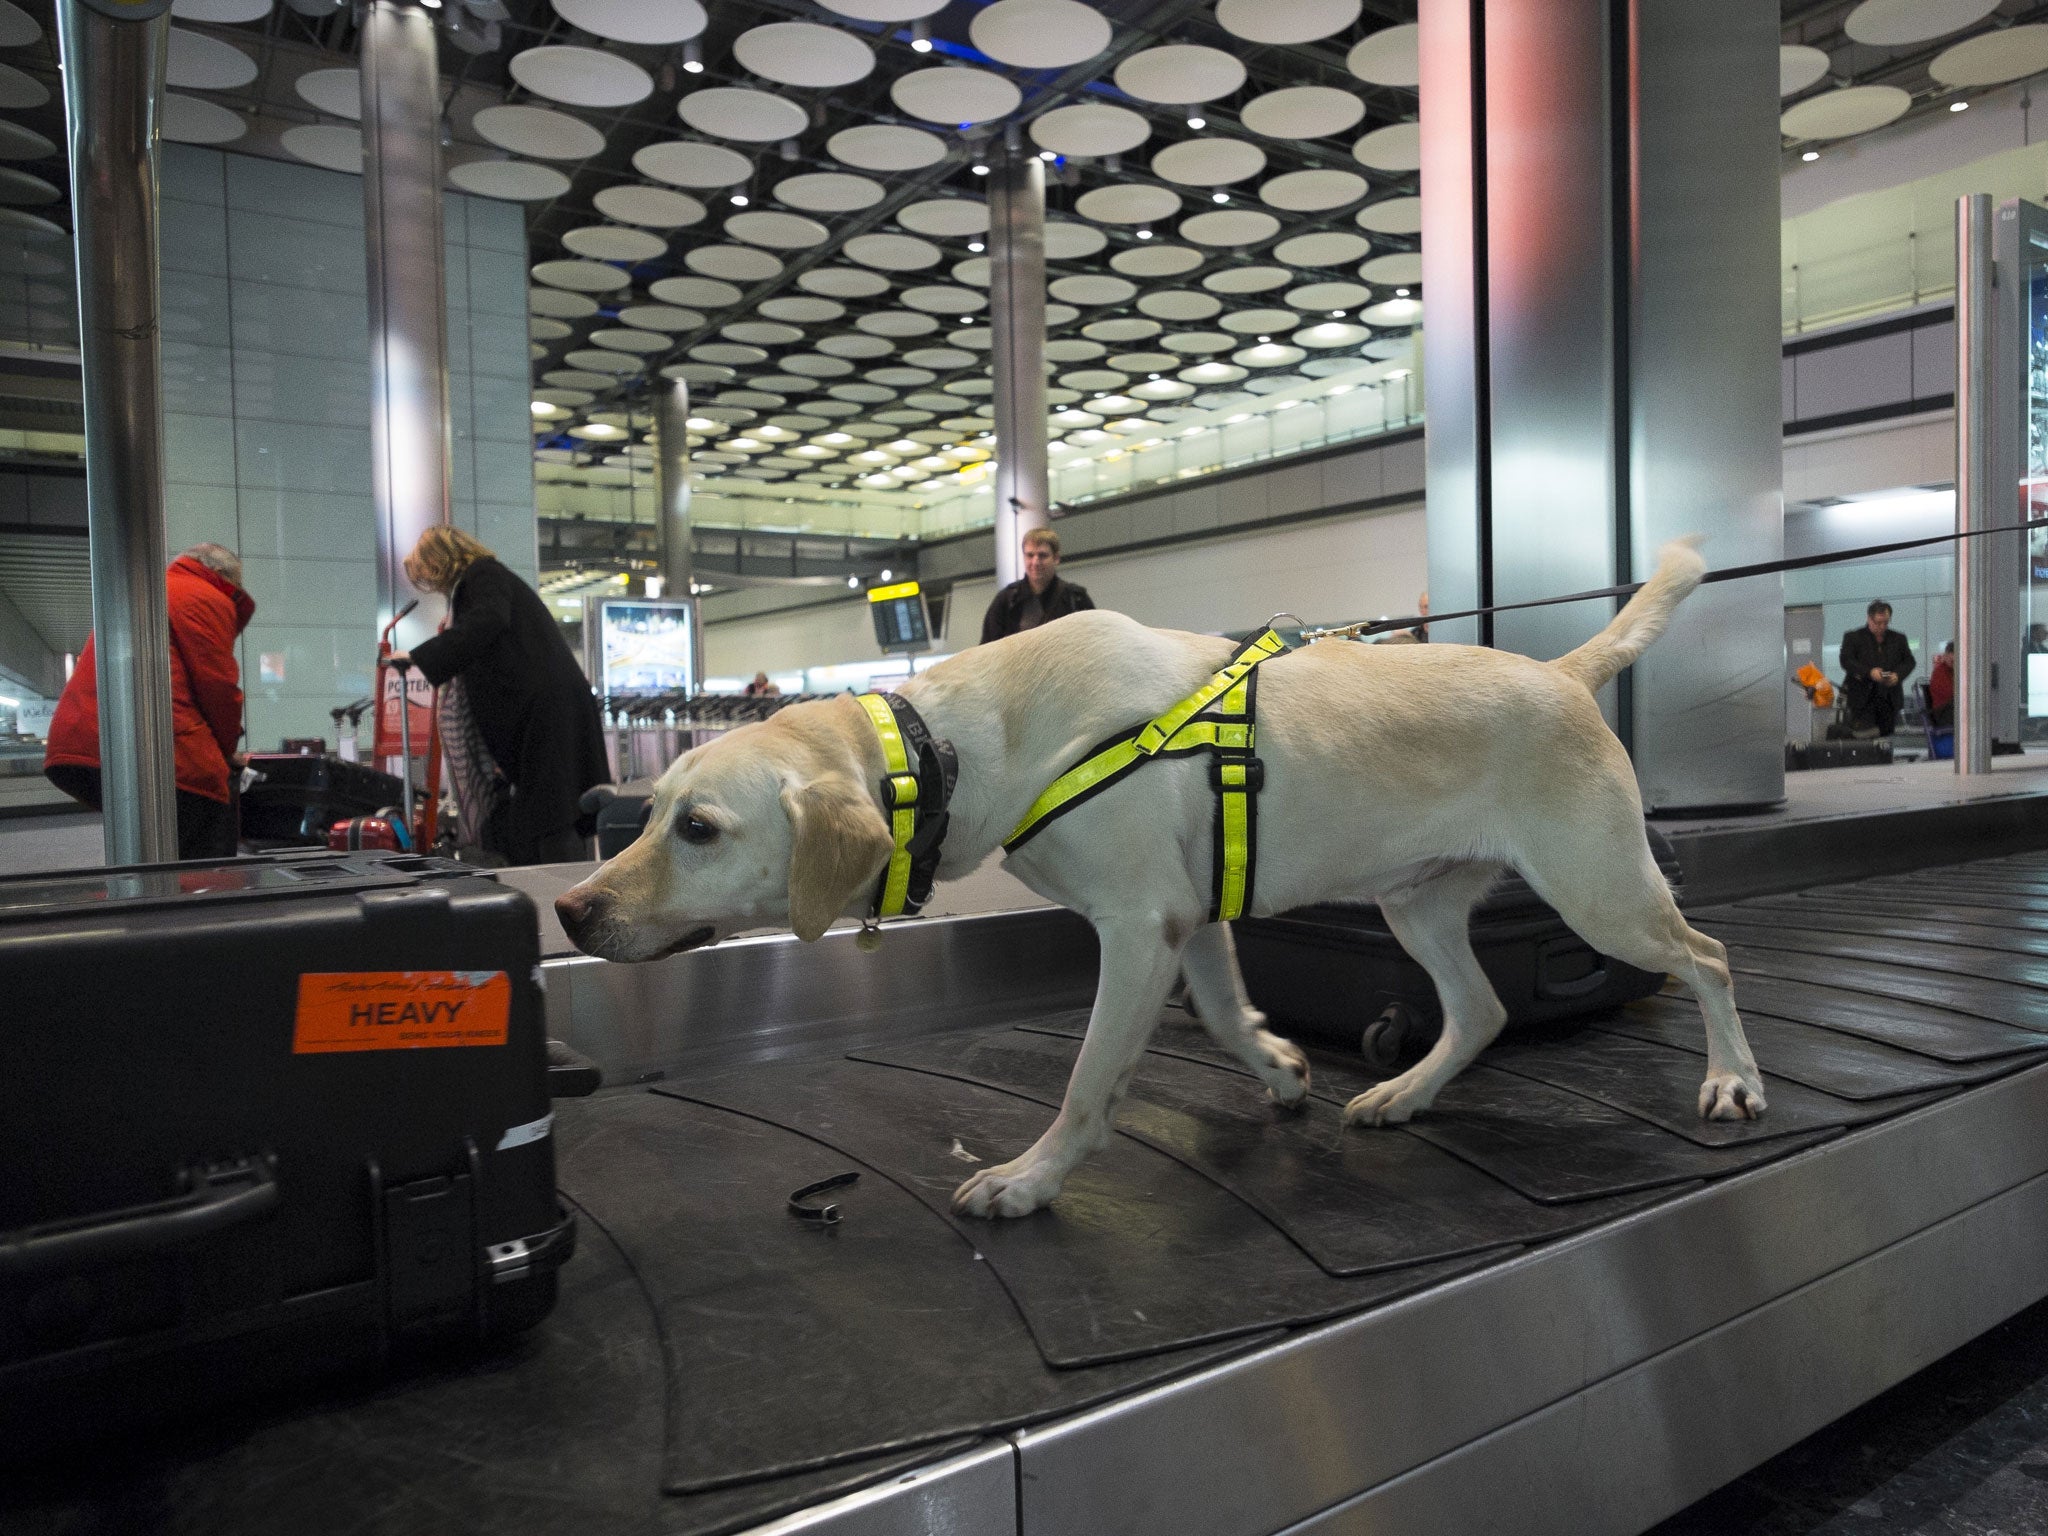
(509, 1261)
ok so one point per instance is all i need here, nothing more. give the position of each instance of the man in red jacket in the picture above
(209, 610)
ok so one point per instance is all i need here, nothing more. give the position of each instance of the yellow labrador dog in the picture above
(1406, 775)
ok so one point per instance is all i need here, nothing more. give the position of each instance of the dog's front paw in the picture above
(1728, 1096)
(1286, 1074)
(1394, 1102)
(1009, 1189)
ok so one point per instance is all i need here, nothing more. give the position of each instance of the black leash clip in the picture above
(827, 1215)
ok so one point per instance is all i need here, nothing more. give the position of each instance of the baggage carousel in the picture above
(1558, 1300)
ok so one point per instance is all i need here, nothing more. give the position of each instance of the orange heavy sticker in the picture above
(400, 1010)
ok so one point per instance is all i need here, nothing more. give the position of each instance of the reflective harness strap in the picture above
(1219, 718)
(916, 789)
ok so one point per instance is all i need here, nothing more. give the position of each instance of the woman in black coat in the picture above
(521, 689)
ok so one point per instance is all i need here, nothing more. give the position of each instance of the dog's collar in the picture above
(916, 791)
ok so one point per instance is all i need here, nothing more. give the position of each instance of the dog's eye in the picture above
(695, 829)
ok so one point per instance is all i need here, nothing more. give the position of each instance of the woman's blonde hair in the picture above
(441, 556)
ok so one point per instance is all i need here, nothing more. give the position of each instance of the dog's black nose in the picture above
(579, 908)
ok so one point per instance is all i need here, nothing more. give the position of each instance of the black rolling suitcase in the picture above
(297, 799)
(1335, 969)
(267, 1120)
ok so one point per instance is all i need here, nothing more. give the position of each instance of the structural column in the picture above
(1976, 565)
(1600, 267)
(113, 57)
(1016, 245)
(672, 520)
(408, 285)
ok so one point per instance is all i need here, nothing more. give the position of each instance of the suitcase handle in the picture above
(218, 1196)
(1549, 986)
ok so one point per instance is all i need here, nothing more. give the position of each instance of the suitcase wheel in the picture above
(1389, 1037)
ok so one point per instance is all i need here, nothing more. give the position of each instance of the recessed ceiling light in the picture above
(1264, 339)
(921, 36)
(976, 245)
(980, 169)
(1400, 293)
(693, 57)
(739, 199)
(1144, 234)
(1197, 123)
(1221, 197)
(1959, 106)
(1048, 155)
(1811, 154)
(1336, 314)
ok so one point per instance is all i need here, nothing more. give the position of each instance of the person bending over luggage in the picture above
(1038, 596)
(518, 720)
(208, 610)
(1875, 660)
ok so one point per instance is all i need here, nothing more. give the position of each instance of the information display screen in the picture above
(902, 622)
(645, 647)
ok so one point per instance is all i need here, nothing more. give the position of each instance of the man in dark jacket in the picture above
(1875, 660)
(1039, 596)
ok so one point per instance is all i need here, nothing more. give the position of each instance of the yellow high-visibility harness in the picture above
(916, 788)
(1220, 718)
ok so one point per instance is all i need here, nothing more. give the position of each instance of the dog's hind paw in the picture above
(1725, 1096)
(1394, 1102)
(1009, 1189)
(1286, 1074)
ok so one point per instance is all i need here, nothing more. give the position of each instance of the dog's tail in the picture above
(1679, 569)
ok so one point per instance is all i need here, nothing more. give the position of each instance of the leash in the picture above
(1628, 589)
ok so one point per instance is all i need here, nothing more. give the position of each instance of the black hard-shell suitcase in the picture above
(298, 798)
(267, 1120)
(1335, 969)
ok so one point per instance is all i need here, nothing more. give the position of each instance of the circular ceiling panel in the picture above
(734, 263)
(1156, 260)
(1331, 333)
(1302, 112)
(884, 10)
(189, 120)
(694, 292)
(897, 322)
(1312, 191)
(945, 216)
(780, 231)
(578, 378)
(1839, 114)
(1180, 74)
(1277, 383)
(1162, 389)
(221, 12)
(1144, 362)
(697, 373)
(1324, 249)
(323, 144)
(743, 114)
(862, 394)
(970, 387)
(540, 132)
(1285, 21)
(892, 253)
(1089, 128)
(655, 207)
(843, 282)
(802, 53)
(729, 354)
(19, 143)
(974, 272)
(976, 338)
(885, 147)
(1396, 148)
(1993, 58)
(1067, 241)
(1393, 312)
(799, 310)
(902, 378)
(1396, 267)
(1388, 57)
(1260, 322)
(540, 328)
(568, 399)
(1208, 162)
(1394, 216)
(18, 29)
(758, 333)
(1121, 330)
(955, 96)
(22, 189)
(1092, 289)
(608, 242)
(1328, 296)
(828, 192)
(581, 77)
(514, 181)
(942, 358)
(200, 63)
(604, 362)
(1212, 373)
(1072, 350)
(1127, 203)
(20, 91)
(1896, 23)
(1095, 378)
(1229, 226)
(558, 305)
(1039, 34)
(580, 276)
(1799, 67)
(942, 299)
(683, 164)
(862, 347)
(664, 317)
(1180, 305)
(635, 21)
(1269, 354)
(1247, 279)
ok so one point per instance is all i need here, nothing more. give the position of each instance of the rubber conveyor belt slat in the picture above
(1920, 927)
(1355, 1203)
(1915, 953)
(1138, 1255)
(1551, 1145)
(1977, 1018)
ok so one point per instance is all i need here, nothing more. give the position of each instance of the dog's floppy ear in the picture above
(838, 844)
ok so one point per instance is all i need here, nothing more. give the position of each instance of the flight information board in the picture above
(902, 622)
